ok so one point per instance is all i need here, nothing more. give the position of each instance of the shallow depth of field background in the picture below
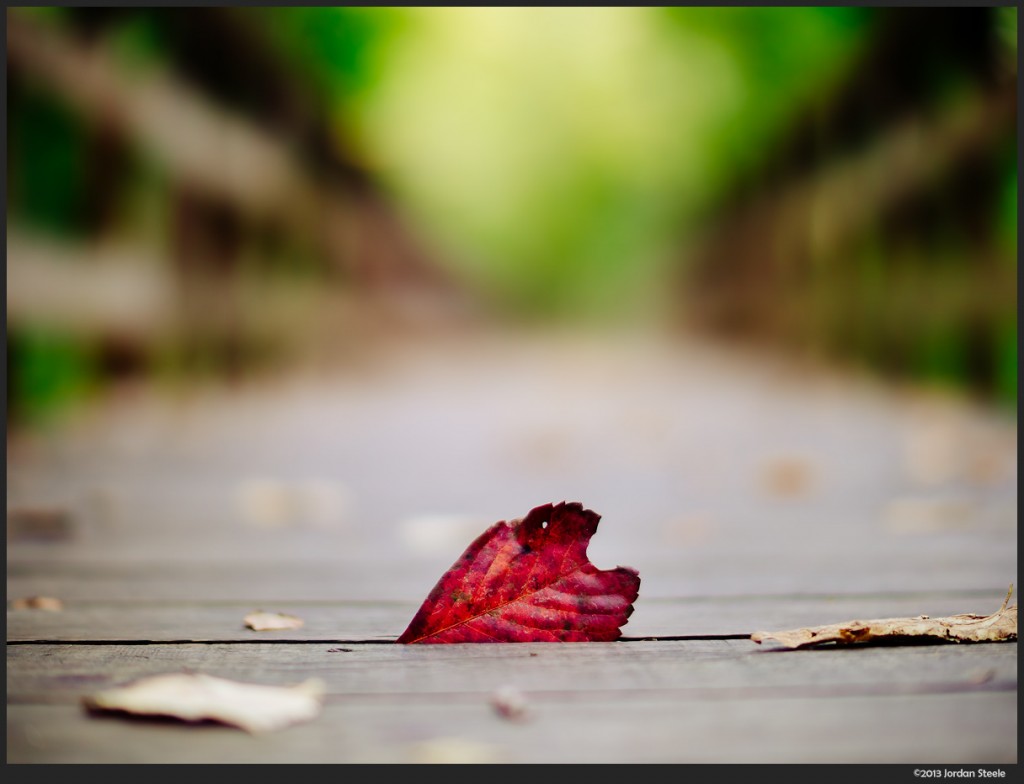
(215, 202)
(201, 194)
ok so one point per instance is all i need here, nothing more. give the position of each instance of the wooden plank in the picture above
(969, 729)
(140, 620)
(720, 669)
(203, 622)
(671, 448)
(383, 577)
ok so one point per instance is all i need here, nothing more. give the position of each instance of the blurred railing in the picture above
(888, 245)
(256, 252)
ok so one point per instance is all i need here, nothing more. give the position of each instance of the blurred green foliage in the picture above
(785, 57)
(553, 155)
(338, 48)
(48, 370)
(560, 161)
(47, 176)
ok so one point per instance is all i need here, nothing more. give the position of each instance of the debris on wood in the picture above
(1001, 626)
(787, 477)
(980, 676)
(913, 515)
(310, 503)
(510, 703)
(265, 503)
(933, 451)
(197, 697)
(39, 524)
(453, 751)
(47, 603)
(689, 530)
(262, 621)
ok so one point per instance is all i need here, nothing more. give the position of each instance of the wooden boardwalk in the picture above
(749, 494)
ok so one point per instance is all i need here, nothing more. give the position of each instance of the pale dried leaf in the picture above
(197, 697)
(48, 603)
(933, 452)
(1001, 626)
(910, 515)
(454, 751)
(275, 503)
(509, 703)
(979, 676)
(262, 621)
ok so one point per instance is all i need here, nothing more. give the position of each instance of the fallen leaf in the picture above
(981, 676)
(787, 477)
(911, 515)
(269, 622)
(197, 697)
(933, 452)
(39, 524)
(48, 603)
(275, 503)
(689, 530)
(528, 580)
(453, 751)
(265, 503)
(1001, 626)
(510, 703)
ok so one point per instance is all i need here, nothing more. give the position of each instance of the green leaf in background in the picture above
(47, 370)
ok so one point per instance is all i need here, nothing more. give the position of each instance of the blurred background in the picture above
(217, 192)
(426, 268)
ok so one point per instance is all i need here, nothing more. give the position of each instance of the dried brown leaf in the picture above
(48, 603)
(787, 477)
(263, 621)
(1001, 626)
(39, 524)
(197, 697)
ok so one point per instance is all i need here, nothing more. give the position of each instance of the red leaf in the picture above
(528, 580)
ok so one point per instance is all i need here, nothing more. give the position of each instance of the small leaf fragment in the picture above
(197, 697)
(528, 580)
(47, 603)
(454, 751)
(262, 621)
(787, 477)
(509, 703)
(39, 524)
(1001, 626)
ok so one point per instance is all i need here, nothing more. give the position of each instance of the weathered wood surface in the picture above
(705, 669)
(696, 701)
(749, 495)
(384, 621)
(960, 728)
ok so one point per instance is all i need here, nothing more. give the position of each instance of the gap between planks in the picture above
(250, 641)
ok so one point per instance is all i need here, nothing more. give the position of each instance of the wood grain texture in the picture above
(383, 621)
(724, 669)
(342, 498)
(974, 729)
